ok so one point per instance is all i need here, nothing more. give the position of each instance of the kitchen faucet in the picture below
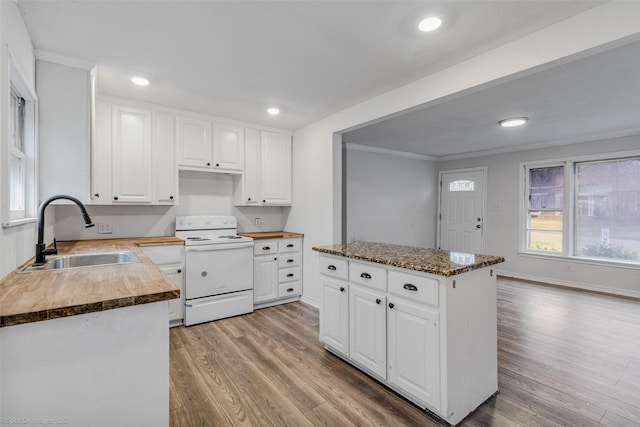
(41, 252)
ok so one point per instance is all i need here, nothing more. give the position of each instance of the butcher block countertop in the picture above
(434, 261)
(45, 295)
(263, 235)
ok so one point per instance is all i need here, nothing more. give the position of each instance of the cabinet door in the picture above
(176, 306)
(164, 159)
(101, 155)
(414, 350)
(334, 315)
(265, 278)
(275, 168)
(194, 142)
(131, 172)
(368, 330)
(228, 148)
(246, 186)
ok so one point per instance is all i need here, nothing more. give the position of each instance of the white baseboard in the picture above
(569, 284)
(310, 302)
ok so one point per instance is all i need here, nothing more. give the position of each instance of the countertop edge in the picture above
(422, 269)
(265, 235)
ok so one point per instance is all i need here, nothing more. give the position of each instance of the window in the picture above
(17, 179)
(462, 185)
(19, 167)
(584, 208)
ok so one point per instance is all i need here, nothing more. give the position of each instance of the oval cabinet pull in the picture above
(331, 267)
(289, 260)
(290, 245)
(365, 276)
(266, 248)
(341, 288)
(410, 287)
(290, 275)
(391, 305)
(179, 271)
(290, 290)
(378, 300)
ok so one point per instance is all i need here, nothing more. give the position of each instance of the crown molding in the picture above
(378, 150)
(70, 61)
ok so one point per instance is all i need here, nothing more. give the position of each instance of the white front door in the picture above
(462, 211)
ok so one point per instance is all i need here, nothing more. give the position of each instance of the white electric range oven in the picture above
(218, 267)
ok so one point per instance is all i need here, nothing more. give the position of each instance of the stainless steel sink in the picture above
(84, 260)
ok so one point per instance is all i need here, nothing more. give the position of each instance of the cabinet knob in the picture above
(179, 270)
(478, 226)
(96, 195)
(365, 276)
(341, 288)
(378, 300)
(249, 199)
(391, 305)
(275, 258)
(264, 201)
(217, 164)
(208, 164)
(170, 197)
(331, 267)
(115, 197)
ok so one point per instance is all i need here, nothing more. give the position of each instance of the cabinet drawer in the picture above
(334, 267)
(289, 260)
(289, 289)
(289, 245)
(265, 247)
(289, 274)
(164, 254)
(368, 275)
(414, 287)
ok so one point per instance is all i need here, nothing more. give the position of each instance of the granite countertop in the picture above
(434, 261)
(45, 295)
(263, 235)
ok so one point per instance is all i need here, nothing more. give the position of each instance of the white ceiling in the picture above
(311, 58)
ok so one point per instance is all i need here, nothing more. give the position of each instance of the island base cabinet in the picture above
(414, 351)
(103, 369)
(334, 315)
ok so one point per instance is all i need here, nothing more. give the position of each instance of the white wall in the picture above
(502, 220)
(390, 198)
(200, 194)
(316, 161)
(17, 244)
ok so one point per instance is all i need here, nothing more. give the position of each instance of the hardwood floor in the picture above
(564, 358)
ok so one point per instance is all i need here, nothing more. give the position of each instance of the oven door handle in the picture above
(219, 247)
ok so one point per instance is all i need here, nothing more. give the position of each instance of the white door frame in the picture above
(482, 169)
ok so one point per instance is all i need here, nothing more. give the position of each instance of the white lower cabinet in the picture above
(334, 315)
(277, 271)
(433, 339)
(170, 259)
(368, 330)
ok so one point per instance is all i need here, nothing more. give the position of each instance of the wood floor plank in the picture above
(565, 357)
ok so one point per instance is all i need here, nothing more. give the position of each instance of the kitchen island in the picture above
(421, 321)
(87, 346)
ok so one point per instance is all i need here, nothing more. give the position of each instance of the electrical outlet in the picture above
(104, 228)
(258, 222)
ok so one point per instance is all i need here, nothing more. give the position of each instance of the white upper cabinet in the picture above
(228, 148)
(164, 158)
(275, 168)
(133, 155)
(266, 180)
(194, 143)
(131, 172)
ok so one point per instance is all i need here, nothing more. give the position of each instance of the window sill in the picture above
(17, 222)
(582, 260)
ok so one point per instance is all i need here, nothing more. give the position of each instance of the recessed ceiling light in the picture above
(430, 23)
(140, 81)
(513, 122)
(273, 111)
